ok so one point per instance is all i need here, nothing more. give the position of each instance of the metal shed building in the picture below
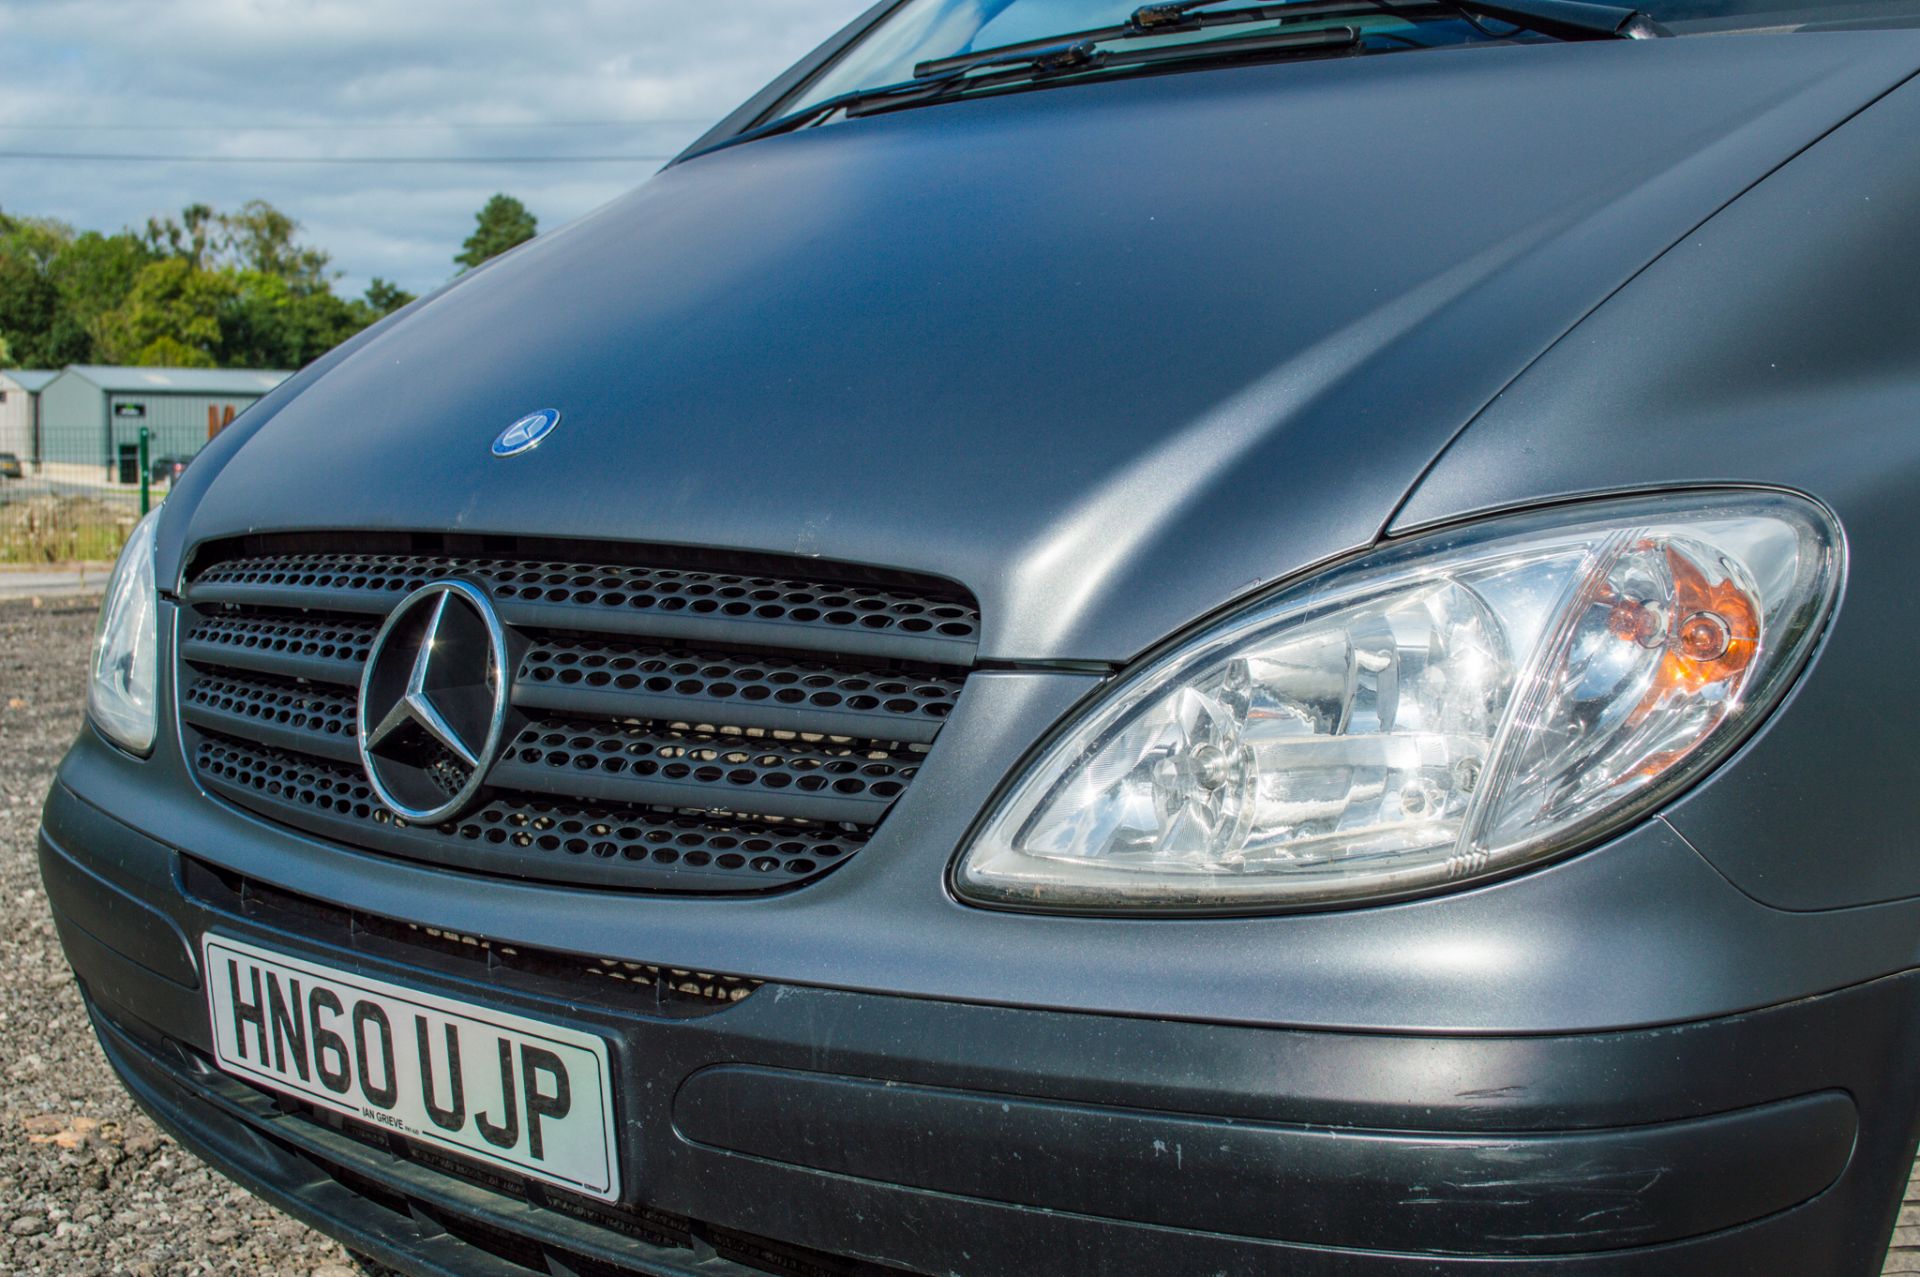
(20, 410)
(92, 414)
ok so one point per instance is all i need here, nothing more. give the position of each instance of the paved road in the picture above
(52, 583)
(37, 486)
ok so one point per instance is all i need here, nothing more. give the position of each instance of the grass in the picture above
(45, 529)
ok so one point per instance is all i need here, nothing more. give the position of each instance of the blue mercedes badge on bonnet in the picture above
(526, 433)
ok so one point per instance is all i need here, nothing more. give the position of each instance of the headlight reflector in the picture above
(1433, 713)
(122, 697)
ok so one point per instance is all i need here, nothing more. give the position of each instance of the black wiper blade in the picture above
(948, 75)
(1561, 19)
(1025, 62)
(1188, 18)
(1041, 59)
(1079, 51)
(1044, 59)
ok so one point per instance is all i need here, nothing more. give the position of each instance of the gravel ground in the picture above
(87, 1184)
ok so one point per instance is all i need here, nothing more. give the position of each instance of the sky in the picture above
(404, 80)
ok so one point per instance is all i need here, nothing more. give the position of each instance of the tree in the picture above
(192, 237)
(384, 297)
(503, 223)
(29, 304)
(263, 324)
(270, 323)
(205, 288)
(55, 286)
(258, 238)
(261, 238)
(29, 300)
(93, 274)
(240, 290)
(172, 316)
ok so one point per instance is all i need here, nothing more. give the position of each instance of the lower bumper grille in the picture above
(382, 1192)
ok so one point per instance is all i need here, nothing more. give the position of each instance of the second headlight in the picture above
(1434, 713)
(121, 695)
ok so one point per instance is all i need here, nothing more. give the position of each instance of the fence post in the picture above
(146, 476)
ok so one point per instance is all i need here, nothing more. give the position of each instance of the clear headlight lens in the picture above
(122, 697)
(1437, 712)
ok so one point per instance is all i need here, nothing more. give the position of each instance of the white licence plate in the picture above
(531, 1097)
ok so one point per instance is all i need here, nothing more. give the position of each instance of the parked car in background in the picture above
(1093, 639)
(168, 469)
(10, 467)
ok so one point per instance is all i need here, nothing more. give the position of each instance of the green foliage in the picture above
(190, 237)
(29, 299)
(205, 289)
(171, 317)
(501, 224)
(384, 297)
(55, 286)
(258, 238)
(93, 274)
(273, 322)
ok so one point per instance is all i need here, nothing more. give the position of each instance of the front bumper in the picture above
(806, 1130)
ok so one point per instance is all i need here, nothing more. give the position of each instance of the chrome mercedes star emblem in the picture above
(433, 701)
(525, 434)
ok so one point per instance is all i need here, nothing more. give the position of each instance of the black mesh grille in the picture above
(586, 585)
(320, 717)
(654, 989)
(671, 728)
(292, 778)
(831, 779)
(537, 837)
(625, 599)
(673, 682)
(340, 638)
(307, 708)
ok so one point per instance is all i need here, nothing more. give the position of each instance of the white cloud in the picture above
(356, 78)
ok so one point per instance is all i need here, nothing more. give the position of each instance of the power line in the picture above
(108, 157)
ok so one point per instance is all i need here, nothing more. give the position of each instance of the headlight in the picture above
(126, 647)
(1434, 713)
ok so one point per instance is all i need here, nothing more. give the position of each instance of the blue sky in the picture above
(404, 78)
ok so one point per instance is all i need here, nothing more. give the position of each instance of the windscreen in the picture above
(924, 30)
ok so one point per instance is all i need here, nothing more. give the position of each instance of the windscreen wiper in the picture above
(1084, 54)
(1164, 19)
(1561, 19)
(993, 67)
(1080, 51)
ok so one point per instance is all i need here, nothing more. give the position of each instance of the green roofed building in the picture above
(92, 414)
